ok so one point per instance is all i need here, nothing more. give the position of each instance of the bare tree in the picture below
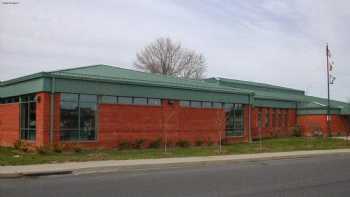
(169, 58)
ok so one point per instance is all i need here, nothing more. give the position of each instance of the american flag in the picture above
(331, 67)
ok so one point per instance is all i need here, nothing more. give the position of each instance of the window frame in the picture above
(96, 127)
(28, 101)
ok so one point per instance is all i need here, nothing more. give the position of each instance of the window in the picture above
(185, 103)
(153, 101)
(217, 105)
(238, 117)
(78, 116)
(9, 100)
(109, 99)
(140, 101)
(124, 100)
(207, 104)
(234, 119)
(196, 104)
(260, 123)
(267, 119)
(28, 117)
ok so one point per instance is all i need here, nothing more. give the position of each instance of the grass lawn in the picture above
(11, 156)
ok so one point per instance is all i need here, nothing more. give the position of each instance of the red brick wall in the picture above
(277, 130)
(9, 124)
(312, 123)
(42, 119)
(131, 122)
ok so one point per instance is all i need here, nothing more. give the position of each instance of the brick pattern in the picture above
(313, 124)
(170, 122)
(9, 124)
(276, 127)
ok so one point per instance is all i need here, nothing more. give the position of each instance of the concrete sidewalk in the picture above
(119, 165)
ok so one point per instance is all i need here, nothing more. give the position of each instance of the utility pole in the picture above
(328, 95)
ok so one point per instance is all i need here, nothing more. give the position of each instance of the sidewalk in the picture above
(119, 165)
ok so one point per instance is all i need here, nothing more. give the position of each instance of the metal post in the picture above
(328, 95)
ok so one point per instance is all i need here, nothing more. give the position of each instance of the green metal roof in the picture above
(110, 80)
(106, 72)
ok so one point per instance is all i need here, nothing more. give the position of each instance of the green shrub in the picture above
(155, 143)
(183, 143)
(139, 143)
(199, 142)
(124, 144)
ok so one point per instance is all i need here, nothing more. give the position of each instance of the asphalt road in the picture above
(313, 176)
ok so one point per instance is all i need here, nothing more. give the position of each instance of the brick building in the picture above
(100, 106)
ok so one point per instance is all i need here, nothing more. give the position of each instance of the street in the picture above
(306, 176)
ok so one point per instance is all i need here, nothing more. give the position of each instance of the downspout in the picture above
(52, 108)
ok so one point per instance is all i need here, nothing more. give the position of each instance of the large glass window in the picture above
(78, 117)
(234, 119)
(28, 117)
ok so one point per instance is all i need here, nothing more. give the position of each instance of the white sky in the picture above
(277, 42)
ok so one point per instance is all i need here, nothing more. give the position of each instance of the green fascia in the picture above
(318, 111)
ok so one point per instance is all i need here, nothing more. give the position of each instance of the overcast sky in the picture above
(277, 42)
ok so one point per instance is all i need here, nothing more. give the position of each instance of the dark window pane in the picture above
(109, 99)
(238, 117)
(69, 115)
(69, 135)
(153, 101)
(32, 115)
(124, 100)
(87, 135)
(196, 104)
(24, 98)
(87, 116)
(69, 97)
(185, 103)
(88, 98)
(140, 101)
(24, 115)
(207, 104)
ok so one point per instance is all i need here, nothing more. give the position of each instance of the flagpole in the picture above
(328, 94)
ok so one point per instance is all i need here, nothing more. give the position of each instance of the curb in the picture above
(91, 167)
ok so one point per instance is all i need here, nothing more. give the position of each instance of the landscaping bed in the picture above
(13, 156)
